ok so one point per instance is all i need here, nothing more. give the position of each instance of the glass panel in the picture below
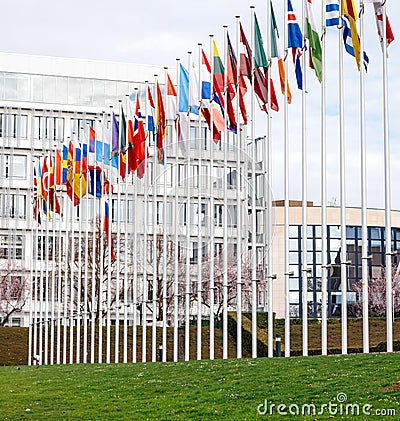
(98, 93)
(49, 89)
(37, 88)
(10, 86)
(62, 90)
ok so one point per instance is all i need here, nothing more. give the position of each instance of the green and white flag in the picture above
(314, 41)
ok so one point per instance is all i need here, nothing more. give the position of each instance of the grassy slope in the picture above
(230, 389)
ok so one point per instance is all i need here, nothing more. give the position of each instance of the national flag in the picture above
(231, 85)
(208, 106)
(348, 41)
(275, 52)
(45, 175)
(53, 202)
(261, 76)
(245, 55)
(160, 118)
(98, 184)
(139, 142)
(122, 144)
(151, 111)
(314, 41)
(378, 6)
(233, 69)
(37, 182)
(92, 147)
(183, 104)
(295, 42)
(350, 34)
(115, 146)
(219, 73)
(194, 100)
(332, 12)
(106, 229)
(171, 100)
(58, 168)
(65, 163)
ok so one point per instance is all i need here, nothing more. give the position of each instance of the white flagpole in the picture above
(343, 263)
(238, 203)
(107, 138)
(72, 261)
(225, 210)
(165, 239)
(66, 266)
(287, 273)
(59, 280)
(86, 258)
(199, 222)
(79, 286)
(144, 281)
(155, 248)
(126, 211)
(253, 209)
(176, 236)
(364, 228)
(118, 256)
(388, 200)
(188, 228)
(94, 260)
(46, 284)
(268, 184)
(212, 224)
(53, 279)
(324, 274)
(304, 273)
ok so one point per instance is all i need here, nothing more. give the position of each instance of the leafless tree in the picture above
(13, 290)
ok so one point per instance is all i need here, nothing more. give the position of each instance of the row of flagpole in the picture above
(70, 253)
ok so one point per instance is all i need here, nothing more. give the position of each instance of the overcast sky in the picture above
(158, 32)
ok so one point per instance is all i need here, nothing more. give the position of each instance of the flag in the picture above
(295, 42)
(139, 142)
(92, 147)
(122, 144)
(194, 99)
(231, 85)
(209, 106)
(115, 144)
(54, 204)
(378, 6)
(160, 115)
(171, 100)
(245, 55)
(183, 104)
(98, 184)
(233, 69)
(58, 168)
(348, 41)
(65, 163)
(37, 182)
(275, 52)
(106, 229)
(261, 76)
(151, 111)
(314, 41)
(219, 71)
(350, 34)
(332, 12)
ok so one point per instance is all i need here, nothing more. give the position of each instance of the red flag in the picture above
(160, 116)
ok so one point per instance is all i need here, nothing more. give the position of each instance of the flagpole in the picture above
(59, 280)
(304, 273)
(86, 261)
(165, 249)
(79, 286)
(118, 262)
(199, 222)
(364, 229)
(253, 208)
(343, 263)
(46, 284)
(145, 281)
(67, 217)
(268, 184)
(211, 187)
(225, 213)
(94, 260)
(324, 280)
(238, 203)
(176, 237)
(53, 279)
(388, 204)
(188, 227)
(155, 239)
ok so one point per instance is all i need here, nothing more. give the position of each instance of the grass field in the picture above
(203, 390)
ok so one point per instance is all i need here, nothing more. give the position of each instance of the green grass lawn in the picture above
(200, 390)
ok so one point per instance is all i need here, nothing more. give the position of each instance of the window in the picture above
(181, 175)
(13, 125)
(218, 215)
(13, 166)
(51, 128)
(11, 247)
(231, 178)
(232, 216)
(13, 206)
(160, 213)
(122, 211)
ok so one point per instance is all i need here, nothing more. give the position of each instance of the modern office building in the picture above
(180, 226)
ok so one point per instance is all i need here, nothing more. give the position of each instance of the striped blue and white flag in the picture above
(348, 42)
(332, 12)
